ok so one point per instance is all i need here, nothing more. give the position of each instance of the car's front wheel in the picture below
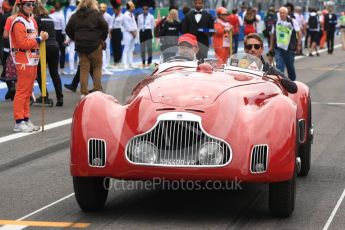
(91, 192)
(282, 197)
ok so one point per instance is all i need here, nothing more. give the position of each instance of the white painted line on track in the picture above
(19, 227)
(46, 127)
(328, 103)
(320, 51)
(329, 221)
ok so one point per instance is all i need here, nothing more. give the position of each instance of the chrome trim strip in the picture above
(180, 116)
(99, 148)
(300, 121)
(259, 148)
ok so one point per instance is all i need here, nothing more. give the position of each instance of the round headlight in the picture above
(211, 153)
(145, 152)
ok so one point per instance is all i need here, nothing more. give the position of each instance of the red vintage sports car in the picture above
(195, 122)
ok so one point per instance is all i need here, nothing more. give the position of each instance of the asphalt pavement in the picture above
(36, 187)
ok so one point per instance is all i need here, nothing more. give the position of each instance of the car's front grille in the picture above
(96, 152)
(259, 159)
(178, 143)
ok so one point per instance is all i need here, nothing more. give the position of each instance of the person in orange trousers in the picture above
(24, 43)
(323, 38)
(221, 38)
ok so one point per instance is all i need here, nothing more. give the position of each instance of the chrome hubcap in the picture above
(298, 164)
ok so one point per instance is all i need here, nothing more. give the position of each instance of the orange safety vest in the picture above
(24, 47)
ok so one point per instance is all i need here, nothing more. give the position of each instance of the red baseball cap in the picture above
(189, 38)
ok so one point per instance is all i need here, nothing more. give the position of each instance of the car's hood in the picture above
(189, 89)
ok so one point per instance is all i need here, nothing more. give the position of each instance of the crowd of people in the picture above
(92, 33)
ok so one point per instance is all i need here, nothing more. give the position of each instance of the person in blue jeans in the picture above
(285, 41)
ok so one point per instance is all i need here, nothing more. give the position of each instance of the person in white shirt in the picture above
(301, 22)
(106, 53)
(146, 26)
(70, 43)
(130, 31)
(60, 26)
(116, 34)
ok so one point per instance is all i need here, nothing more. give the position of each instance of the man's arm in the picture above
(184, 25)
(287, 83)
(69, 28)
(210, 25)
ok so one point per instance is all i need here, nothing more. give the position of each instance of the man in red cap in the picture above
(188, 46)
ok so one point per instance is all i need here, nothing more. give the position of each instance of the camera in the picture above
(270, 54)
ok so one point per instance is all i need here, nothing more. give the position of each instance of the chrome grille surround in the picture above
(259, 155)
(178, 137)
(96, 149)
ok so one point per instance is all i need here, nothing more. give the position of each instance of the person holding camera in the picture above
(88, 29)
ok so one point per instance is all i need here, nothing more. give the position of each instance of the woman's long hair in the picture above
(250, 15)
(40, 9)
(92, 4)
(172, 16)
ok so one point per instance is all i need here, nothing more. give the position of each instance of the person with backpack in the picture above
(314, 30)
(269, 20)
(285, 41)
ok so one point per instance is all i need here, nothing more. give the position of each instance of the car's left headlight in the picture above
(145, 152)
(211, 153)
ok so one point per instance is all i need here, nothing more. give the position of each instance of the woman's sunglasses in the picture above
(250, 46)
(29, 4)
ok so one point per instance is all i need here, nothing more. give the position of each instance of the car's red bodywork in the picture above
(242, 109)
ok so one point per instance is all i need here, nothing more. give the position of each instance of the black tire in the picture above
(305, 149)
(282, 196)
(90, 192)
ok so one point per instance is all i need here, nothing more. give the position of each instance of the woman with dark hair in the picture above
(249, 21)
(60, 34)
(45, 23)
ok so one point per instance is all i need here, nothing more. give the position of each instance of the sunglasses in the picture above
(29, 4)
(250, 46)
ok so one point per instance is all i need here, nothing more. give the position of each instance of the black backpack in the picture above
(313, 22)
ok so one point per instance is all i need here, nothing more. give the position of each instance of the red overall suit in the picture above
(221, 41)
(24, 50)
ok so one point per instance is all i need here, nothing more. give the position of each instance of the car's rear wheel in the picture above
(282, 197)
(91, 192)
(305, 149)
